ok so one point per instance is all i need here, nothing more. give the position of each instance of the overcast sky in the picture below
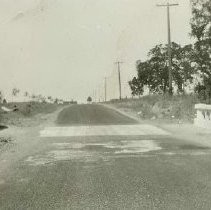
(65, 48)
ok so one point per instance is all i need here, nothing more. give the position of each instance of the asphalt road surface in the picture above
(97, 158)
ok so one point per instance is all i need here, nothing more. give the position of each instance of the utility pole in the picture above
(95, 96)
(105, 86)
(119, 76)
(168, 5)
(99, 93)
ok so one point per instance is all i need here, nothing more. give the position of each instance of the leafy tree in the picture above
(56, 101)
(15, 91)
(158, 69)
(182, 63)
(89, 99)
(136, 87)
(26, 94)
(201, 31)
(1, 96)
(33, 96)
(153, 73)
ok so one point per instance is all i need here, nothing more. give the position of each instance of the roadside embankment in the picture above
(174, 115)
(23, 124)
(25, 113)
(157, 107)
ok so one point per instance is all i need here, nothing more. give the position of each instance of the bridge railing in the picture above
(203, 115)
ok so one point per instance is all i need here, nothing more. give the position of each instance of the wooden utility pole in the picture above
(99, 94)
(119, 77)
(169, 44)
(95, 96)
(105, 86)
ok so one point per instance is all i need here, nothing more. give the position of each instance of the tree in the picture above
(182, 63)
(89, 99)
(56, 101)
(136, 87)
(153, 72)
(201, 31)
(1, 97)
(26, 94)
(158, 69)
(33, 97)
(15, 91)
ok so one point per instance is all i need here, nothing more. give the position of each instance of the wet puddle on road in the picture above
(89, 152)
(107, 151)
(135, 146)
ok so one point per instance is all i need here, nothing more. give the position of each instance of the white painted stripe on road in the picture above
(103, 130)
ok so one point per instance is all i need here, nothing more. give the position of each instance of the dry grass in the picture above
(160, 107)
(25, 110)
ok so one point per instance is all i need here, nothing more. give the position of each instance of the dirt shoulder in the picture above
(19, 125)
(25, 114)
(19, 142)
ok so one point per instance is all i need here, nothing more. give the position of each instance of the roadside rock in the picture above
(161, 110)
(153, 118)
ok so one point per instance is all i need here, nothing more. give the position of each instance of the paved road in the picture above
(96, 158)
